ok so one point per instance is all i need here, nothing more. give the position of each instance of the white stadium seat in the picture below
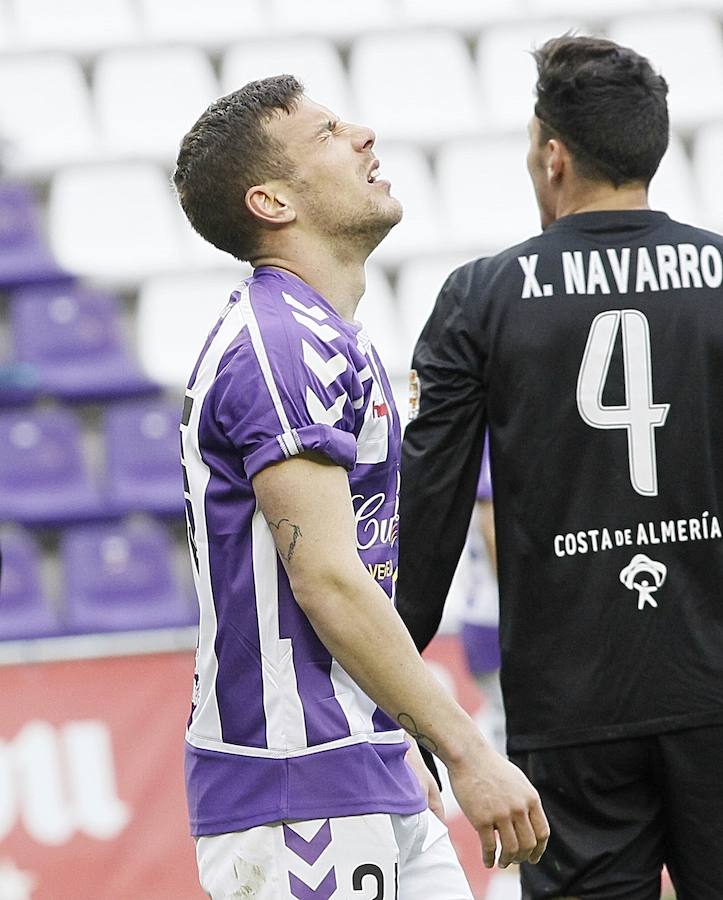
(79, 26)
(413, 185)
(415, 86)
(45, 112)
(147, 99)
(378, 313)
(487, 195)
(457, 13)
(708, 171)
(314, 61)
(673, 188)
(507, 72)
(687, 49)
(418, 284)
(174, 315)
(330, 17)
(212, 24)
(114, 223)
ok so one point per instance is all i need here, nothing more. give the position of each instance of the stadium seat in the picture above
(44, 479)
(378, 313)
(418, 283)
(121, 578)
(142, 458)
(574, 7)
(487, 196)
(73, 338)
(507, 72)
(673, 188)
(19, 384)
(24, 610)
(78, 26)
(412, 183)
(115, 223)
(147, 99)
(25, 256)
(434, 100)
(456, 13)
(42, 128)
(686, 47)
(708, 172)
(314, 61)
(212, 24)
(329, 17)
(174, 315)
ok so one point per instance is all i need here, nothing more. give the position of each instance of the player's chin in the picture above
(393, 211)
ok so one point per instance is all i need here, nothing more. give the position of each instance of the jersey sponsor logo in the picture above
(626, 270)
(652, 576)
(668, 531)
(381, 571)
(370, 529)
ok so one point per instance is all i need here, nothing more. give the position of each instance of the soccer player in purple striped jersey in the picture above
(300, 779)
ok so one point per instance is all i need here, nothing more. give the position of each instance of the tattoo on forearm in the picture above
(409, 725)
(287, 536)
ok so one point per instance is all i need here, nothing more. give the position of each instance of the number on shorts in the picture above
(361, 872)
(639, 415)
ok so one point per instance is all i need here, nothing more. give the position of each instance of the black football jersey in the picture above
(593, 353)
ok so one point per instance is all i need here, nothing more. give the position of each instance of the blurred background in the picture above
(106, 296)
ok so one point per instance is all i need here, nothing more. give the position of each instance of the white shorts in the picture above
(372, 857)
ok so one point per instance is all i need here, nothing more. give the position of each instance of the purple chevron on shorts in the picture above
(302, 891)
(311, 850)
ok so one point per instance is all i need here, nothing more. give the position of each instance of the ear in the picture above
(556, 160)
(270, 205)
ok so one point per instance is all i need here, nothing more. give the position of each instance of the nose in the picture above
(363, 138)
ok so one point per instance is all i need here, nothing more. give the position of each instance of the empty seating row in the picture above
(141, 101)
(473, 195)
(49, 475)
(113, 577)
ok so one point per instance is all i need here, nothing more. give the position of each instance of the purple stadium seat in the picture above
(43, 477)
(143, 468)
(73, 337)
(24, 254)
(19, 384)
(24, 611)
(122, 577)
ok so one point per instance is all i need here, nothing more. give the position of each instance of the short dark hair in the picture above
(606, 103)
(227, 151)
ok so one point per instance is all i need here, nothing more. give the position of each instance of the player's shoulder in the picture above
(694, 233)
(284, 311)
(484, 274)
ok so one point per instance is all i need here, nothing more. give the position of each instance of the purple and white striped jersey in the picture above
(278, 730)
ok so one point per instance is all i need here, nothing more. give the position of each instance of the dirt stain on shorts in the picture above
(250, 876)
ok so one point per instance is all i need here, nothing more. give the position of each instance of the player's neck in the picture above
(340, 283)
(592, 197)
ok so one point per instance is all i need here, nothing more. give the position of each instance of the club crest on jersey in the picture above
(415, 393)
(642, 565)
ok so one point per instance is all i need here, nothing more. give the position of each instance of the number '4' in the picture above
(639, 416)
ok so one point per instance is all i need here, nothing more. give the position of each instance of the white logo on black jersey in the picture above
(641, 564)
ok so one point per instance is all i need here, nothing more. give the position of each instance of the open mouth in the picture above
(373, 174)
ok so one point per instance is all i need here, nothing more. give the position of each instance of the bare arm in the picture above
(308, 506)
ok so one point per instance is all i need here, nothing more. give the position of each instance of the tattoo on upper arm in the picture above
(409, 725)
(287, 536)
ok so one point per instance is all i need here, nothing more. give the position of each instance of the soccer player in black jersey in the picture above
(593, 353)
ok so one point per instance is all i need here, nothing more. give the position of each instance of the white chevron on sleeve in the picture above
(319, 413)
(324, 332)
(316, 312)
(326, 370)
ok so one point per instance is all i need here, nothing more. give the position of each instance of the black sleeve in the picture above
(441, 455)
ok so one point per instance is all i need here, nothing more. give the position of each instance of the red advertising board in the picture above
(91, 778)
